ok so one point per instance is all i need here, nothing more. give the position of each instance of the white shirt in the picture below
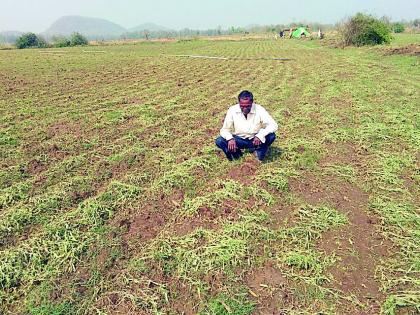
(258, 123)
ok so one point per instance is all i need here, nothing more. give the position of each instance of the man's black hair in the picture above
(246, 94)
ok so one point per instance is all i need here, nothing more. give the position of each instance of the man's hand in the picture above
(232, 145)
(256, 142)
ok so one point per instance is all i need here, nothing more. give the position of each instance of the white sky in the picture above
(38, 15)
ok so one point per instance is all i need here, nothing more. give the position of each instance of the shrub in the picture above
(398, 28)
(363, 29)
(61, 41)
(30, 40)
(78, 39)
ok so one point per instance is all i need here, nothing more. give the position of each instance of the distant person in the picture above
(281, 34)
(246, 126)
(320, 34)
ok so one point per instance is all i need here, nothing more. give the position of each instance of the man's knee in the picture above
(221, 142)
(269, 139)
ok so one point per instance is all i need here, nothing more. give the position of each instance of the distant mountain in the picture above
(90, 27)
(9, 37)
(151, 27)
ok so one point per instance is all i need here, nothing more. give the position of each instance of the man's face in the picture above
(245, 104)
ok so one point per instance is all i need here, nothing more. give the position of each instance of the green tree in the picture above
(363, 29)
(398, 27)
(61, 41)
(30, 40)
(77, 39)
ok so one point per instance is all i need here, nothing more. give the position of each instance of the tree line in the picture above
(360, 29)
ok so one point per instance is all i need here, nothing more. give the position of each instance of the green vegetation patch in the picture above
(206, 251)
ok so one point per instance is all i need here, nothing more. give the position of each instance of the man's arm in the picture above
(269, 124)
(228, 128)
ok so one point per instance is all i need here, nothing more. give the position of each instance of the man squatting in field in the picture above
(247, 126)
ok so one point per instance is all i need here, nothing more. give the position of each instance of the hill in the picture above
(88, 26)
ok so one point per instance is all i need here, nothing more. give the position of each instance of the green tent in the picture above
(299, 32)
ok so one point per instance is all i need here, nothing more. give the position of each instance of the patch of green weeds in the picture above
(389, 168)
(59, 247)
(229, 190)
(206, 251)
(128, 156)
(224, 304)
(14, 193)
(8, 140)
(347, 172)
(408, 300)
(312, 222)
(308, 260)
(65, 169)
(181, 176)
(11, 176)
(397, 215)
(146, 112)
(303, 154)
(114, 116)
(89, 144)
(401, 223)
(39, 302)
(296, 255)
(308, 264)
(340, 134)
(278, 178)
(15, 219)
(50, 308)
(260, 195)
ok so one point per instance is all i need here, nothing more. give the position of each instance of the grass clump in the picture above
(96, 211)
(50, 308)
(401, 223)
(346, 172)
(410, 301)
(313, 221)
(278, 178)
(302, 153)
(14, 193)
(229, 190)
(66, 194)
(302, 260)
(181, 176)
(223, 305)
(60, 245)
(206, 252)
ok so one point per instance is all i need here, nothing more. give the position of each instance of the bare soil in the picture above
(358, 245)
(412, 49)
(269, 288)
(245, 172)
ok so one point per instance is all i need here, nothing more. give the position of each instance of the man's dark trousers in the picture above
(246, 144)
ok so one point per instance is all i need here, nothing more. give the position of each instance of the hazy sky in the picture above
(37, 15)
